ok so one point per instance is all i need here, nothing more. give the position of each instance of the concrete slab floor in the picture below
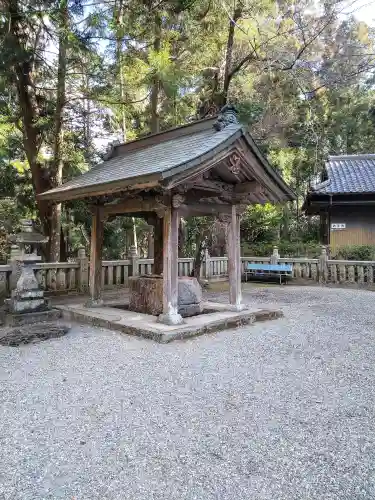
(145, 325)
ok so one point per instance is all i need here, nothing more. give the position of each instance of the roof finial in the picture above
(227, 116)
(110, 149)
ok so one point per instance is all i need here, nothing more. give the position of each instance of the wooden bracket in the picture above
(177, 200)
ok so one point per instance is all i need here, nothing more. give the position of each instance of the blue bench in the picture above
(269, 271)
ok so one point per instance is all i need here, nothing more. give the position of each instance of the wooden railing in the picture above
(65, 277)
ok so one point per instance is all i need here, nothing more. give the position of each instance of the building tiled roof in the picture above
(158, 158)
(348, 174)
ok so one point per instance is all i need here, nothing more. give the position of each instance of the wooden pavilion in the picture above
(208, 167)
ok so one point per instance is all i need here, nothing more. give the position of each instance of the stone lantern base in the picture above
(27, 303)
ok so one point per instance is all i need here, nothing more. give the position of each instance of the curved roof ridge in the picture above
(348, 174)
(365, 156)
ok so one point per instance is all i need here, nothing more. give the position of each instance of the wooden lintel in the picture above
(133, 205)
(248, 187)
(204, 209)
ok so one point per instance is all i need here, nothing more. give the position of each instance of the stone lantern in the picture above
(27, 298)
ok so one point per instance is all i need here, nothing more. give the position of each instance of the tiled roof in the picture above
(154, 159)
(348, 174)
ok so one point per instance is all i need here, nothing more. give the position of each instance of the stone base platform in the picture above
(215, 317)
(13, 319)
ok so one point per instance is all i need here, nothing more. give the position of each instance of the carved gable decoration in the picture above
(235, 163)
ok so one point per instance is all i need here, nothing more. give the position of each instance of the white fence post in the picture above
(207, 265)
(83, 270)
(16, 266)
(275, 255)
(134, 265)
(323, 266)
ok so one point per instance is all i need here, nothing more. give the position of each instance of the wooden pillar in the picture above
(158, 246)
(96, 251)
(324, 228)
(170, 314)
(234, 261)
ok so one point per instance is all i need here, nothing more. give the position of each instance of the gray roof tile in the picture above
(158, 158)
(349, 174)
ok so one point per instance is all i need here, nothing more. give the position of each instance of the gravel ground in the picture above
(280, 410)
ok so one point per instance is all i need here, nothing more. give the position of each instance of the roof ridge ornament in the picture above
(111, 146)
(227, 116)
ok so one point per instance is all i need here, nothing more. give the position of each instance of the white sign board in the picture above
(338, 225)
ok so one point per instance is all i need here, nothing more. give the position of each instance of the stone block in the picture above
(188, 310)
(22, 306)
(27, 280)
(189, 291)
(146, 294)
(28, 295)
(32, 317)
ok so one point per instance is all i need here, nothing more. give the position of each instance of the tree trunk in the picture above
(43, 179)
(284, 229)
(154, 97)
(229, 53)
(150, 242)
(64, 252)
(181, 237)
(220, 82)
(57, 166)
(29, 110)
(119, 17)
(87, 117)
(135, 240)
(198, 259)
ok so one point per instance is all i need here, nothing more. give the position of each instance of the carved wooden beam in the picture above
(201, 185)
(204, 209)
(138, 204)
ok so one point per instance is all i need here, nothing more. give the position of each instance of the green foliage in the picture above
(356, 252)
(10, 216)
(261, 223)
(311, 250)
